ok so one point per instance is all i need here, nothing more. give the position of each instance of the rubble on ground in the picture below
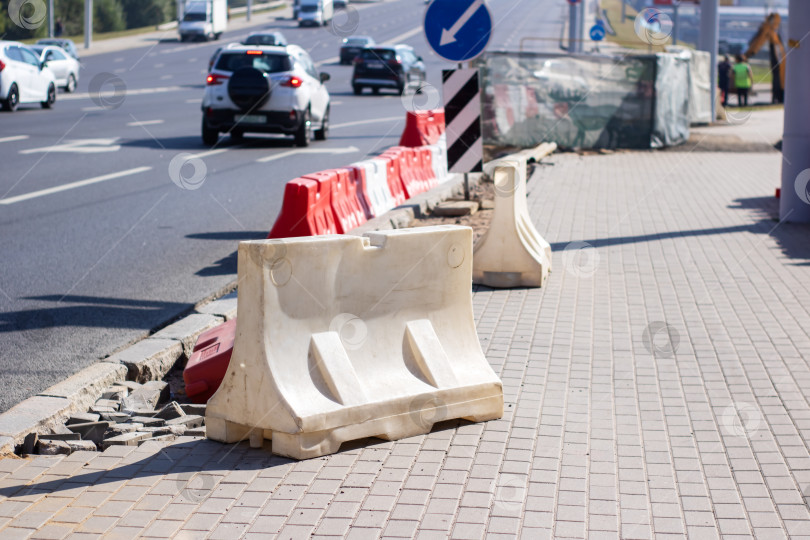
(127, 414)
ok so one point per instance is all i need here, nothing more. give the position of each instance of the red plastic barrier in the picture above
(341, 213)
(345, 206)
(426, 156)
(306, 211)
(395, 184)
(423, 128)
(357, 176)
(209, 361)
(348, 189)
(410, 170)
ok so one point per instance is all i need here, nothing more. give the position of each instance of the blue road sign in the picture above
(458, 30)
(597, 32)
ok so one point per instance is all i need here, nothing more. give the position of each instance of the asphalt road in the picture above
(98, 244)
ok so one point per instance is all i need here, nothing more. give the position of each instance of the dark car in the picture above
(271, 39)
(65, 44)
(391, 67)
(340, 4)
(352, 46)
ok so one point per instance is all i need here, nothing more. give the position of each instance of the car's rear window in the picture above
(269, 63)
(311, 8)
(378, 54)
(260, 40)
(356, 41)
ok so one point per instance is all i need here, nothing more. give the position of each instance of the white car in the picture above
(23, 78)
(65, 68)
(265, 90)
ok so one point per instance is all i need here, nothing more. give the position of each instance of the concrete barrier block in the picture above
(341, 338)
(512, 253)
(86, 386)
(149, 359)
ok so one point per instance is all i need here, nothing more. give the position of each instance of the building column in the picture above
(794, 201)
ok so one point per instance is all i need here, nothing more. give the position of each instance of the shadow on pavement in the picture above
(791, 237)
(97, 312)
(222, 267)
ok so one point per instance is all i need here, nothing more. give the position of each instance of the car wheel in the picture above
(12, 100)
(48, 103)
(302, 136)
(71, 84)
(209, 135)
(357, 90)
(323, 133)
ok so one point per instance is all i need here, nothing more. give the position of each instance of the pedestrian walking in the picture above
(57, 28)
(724, 78)
(743, 79)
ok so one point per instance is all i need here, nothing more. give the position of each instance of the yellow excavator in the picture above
(769, 33)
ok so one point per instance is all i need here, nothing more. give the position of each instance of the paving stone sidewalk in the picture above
(658, 386)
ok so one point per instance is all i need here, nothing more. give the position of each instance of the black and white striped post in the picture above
(462, 113)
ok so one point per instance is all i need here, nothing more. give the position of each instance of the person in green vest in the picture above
(743, 79)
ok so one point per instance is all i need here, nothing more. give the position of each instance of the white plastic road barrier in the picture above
(439, 163)
(512, 253)
(379, 194)
(344, 337)
(442, 162)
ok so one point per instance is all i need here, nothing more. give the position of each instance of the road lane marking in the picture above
(361, 122)
(145, 123)
(79, 146)
(194, 100)
(137, 92)
(212, 152)
(327, 61)
(14, 138)
(403, 36)
(288, 153)
(80, 183)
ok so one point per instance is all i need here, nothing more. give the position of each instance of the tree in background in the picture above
(139, 13)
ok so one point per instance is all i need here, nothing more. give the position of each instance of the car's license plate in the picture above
(376, 65)
(251, 119)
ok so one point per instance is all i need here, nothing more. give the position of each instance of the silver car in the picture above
(65, 68)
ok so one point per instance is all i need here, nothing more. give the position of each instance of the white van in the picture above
(203, 19)
(315, 12)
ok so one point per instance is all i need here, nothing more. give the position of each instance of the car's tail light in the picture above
(395, 61)
(292, 82)
(215, 78)
(2, 65)
(254, 52)
(358, 60)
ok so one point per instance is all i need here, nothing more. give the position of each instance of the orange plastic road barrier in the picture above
(209, 361)
(423, 128)
(306, 211)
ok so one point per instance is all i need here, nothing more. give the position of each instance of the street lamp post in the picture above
(88, 23)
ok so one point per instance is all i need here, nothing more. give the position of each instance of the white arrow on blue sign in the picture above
(458, 30)
(597, 32)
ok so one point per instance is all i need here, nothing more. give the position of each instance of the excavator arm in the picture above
(768, 32)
